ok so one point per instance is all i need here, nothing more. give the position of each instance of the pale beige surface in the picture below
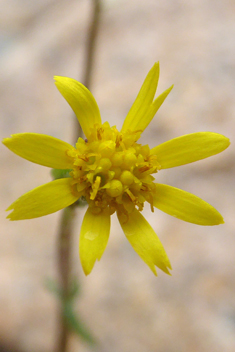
(126, 307)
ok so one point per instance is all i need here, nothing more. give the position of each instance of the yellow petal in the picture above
(81, 101)
(189, 148)
(43, 200)
(143, 101)
(40, 149)
(144, 108)
(144, 241)
(93, 238)
(154, 108)
(185, 206)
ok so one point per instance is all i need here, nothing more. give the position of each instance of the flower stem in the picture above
(66, 223)
(64, 268)
(90, 53)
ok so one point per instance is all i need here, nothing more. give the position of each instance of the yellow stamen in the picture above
(95, 187)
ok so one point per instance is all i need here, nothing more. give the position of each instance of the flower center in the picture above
(112, 171)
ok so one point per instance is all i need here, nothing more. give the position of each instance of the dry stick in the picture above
(66, 223)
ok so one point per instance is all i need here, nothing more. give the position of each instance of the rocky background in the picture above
(123, 304)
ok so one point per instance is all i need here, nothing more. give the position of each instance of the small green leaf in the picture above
(74, 290)
(75, 324)
(53, 287)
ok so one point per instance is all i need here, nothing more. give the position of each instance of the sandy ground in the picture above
(123, 304)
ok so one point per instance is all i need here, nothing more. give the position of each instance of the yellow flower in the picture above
(114, 173)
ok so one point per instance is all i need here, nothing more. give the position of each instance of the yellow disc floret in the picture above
(115, 188)
(112, 171)
(127, 177)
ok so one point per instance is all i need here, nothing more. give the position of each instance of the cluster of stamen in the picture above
(112, 171)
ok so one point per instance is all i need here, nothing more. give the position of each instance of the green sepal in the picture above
(60, 173)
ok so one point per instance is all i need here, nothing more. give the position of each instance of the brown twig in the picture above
(91, 43)
(66, 224)
(64, 268)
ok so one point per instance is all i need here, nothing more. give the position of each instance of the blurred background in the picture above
(124, 305)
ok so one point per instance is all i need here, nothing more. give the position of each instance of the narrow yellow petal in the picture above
(93, 238)
(145, 241)
(189, 148)
(143, 101)
(154, 108)
(43, 200)
(81, 101)
(185, 206)
(40, 149)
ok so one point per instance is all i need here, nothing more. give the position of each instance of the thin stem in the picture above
(90, 53)
(91, 43)
(64, 267)
(66, 223)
